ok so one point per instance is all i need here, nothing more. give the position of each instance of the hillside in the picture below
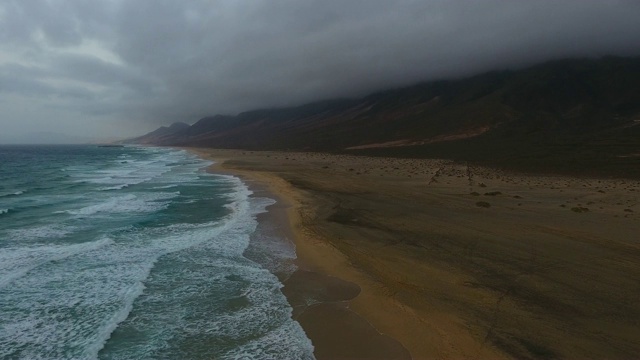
(569, 116)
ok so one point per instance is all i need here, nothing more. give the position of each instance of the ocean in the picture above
(134, 253)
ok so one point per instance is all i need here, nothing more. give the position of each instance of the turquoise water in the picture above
(131, 253)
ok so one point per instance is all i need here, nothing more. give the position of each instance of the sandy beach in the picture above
(435, 259)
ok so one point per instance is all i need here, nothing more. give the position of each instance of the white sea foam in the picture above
(17, 262)
(130, 203)
(126, 173)
(220, 252)
(4, 211)
(42, 232)
(116, 187)
(69, 300)
(13, 193)
(107, 281)
(165, 187)
(119, 316)
(288, 341)
(133, 264)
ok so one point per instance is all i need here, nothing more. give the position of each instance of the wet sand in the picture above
(447, 260)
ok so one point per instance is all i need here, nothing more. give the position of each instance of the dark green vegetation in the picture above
(571, 116)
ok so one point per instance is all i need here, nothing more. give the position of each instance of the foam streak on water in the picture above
(130, 253)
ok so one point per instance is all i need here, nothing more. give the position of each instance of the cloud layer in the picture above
(114, 68)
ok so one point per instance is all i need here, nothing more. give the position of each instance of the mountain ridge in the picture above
(574, 116)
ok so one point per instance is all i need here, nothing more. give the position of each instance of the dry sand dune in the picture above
(456, 261)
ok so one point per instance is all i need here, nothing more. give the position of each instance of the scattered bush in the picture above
(493, 193)
(483, 204)
(580, 209)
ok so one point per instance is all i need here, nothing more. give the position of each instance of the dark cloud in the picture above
(131, 65)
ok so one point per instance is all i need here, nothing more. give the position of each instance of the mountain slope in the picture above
(161, 135)
(570, 115)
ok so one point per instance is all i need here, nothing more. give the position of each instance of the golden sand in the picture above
(448, 260)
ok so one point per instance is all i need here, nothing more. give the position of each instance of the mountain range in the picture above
(576, 116)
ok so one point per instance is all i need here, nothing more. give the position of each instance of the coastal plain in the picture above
(427, 258)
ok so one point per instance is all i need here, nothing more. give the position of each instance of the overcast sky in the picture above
(121, 68)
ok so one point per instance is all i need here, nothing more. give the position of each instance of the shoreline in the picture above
(460, 261)
(335, 330)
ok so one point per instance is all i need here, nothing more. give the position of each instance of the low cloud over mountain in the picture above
(114, 68)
